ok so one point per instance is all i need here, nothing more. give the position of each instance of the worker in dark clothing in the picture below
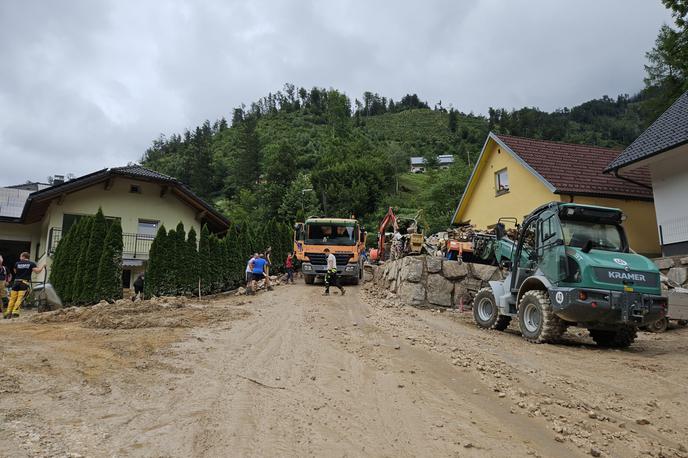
(331, 276)
(22, 280)
(138, 287)
(4, 278)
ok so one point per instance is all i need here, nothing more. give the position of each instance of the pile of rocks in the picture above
(674, 272)
(432, 280)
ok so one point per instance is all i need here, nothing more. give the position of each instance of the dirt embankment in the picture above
(292, 373)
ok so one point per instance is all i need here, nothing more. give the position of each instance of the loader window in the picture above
(603, 236)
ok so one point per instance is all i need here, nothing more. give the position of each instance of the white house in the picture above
(443, 161)
(663, 148)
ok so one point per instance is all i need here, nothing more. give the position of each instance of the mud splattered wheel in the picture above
(659, 325)
(485, 311)
(618, 338)
(537, 320)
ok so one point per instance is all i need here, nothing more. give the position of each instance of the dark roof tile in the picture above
(668, 131)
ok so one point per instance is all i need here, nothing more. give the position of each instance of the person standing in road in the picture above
(22, 280)
(258, 273)
(4, 278)
(331, 276)
(289, 265)
(249, 273)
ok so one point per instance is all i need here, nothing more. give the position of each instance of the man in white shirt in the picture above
(249, 273)
(331, 277)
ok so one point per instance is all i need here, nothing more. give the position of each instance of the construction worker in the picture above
(4, 278)
(22, 280)
(331, 276)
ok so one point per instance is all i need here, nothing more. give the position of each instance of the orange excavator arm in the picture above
(389, 219)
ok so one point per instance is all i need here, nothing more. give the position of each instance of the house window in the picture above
(501, 182)
(148, 227)
(68, 221)
(135, 189)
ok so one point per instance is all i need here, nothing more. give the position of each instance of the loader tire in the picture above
(486, 313)
(309, 279)
(537, 320)
(619, 338)
(659, 325)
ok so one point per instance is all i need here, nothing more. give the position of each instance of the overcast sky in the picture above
(87, 84)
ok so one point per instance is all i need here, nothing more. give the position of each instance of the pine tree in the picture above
(191, 268)
(83, 268)
(204, 261)
(59, 274)
(180, 260)
(71, 259)
(152, 286)
(109, 285)
(89, 276)
(217, 263)
(168, 259)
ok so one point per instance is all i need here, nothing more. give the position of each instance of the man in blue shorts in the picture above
(258, 265)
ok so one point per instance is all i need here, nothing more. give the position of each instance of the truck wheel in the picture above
(537, 320)
(485, 311)
(659, 325)
(619, 338)
(309, 279)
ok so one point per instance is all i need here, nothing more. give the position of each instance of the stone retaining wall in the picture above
(675, 268)
(430, 280)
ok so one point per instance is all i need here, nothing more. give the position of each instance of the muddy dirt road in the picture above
(291, 373)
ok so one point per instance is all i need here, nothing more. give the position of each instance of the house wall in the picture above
(119, 202)
(670, 187)
(129, 207)
(482, 206)
(640, 221)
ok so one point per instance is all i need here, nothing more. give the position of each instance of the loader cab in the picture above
(554, 230)
(540, 248)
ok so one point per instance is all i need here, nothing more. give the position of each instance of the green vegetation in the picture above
(299, 152)
(87, 265)
(177, 266)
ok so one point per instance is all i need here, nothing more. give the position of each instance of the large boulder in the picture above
(664, 263)
(461, 293)
(412, 293)
(483, 272)
(440, 290)
(411, 270)
(434, 264)
(454, 270)
(678, 275)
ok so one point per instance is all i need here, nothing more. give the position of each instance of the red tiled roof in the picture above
(577, 169)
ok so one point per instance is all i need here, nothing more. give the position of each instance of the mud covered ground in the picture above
(292, 373)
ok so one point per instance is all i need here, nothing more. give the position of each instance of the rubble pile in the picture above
(432, 280)
(674, 273)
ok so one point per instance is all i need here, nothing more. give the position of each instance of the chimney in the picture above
(58, 179)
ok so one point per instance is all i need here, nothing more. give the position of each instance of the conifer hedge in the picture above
(213, 264)
(87, 264)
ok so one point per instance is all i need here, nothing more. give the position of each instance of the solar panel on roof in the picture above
(12, 202)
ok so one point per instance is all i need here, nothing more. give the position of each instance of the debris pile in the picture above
(158, 312)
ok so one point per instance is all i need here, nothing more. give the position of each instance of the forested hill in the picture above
(314, 151)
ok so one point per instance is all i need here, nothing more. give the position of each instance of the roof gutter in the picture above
(637, 183)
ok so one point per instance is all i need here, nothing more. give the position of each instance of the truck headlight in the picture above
(307, 267)
(349, 268)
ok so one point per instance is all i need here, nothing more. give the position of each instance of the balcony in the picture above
(136, 246)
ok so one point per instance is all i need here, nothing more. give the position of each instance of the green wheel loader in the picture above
(571, 266)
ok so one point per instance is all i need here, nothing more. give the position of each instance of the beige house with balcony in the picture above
(140, 198)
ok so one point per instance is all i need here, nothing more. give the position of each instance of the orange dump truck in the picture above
(344, 237)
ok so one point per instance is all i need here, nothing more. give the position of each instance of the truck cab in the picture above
(344, 237)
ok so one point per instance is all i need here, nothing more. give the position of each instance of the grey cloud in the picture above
(88, 84)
